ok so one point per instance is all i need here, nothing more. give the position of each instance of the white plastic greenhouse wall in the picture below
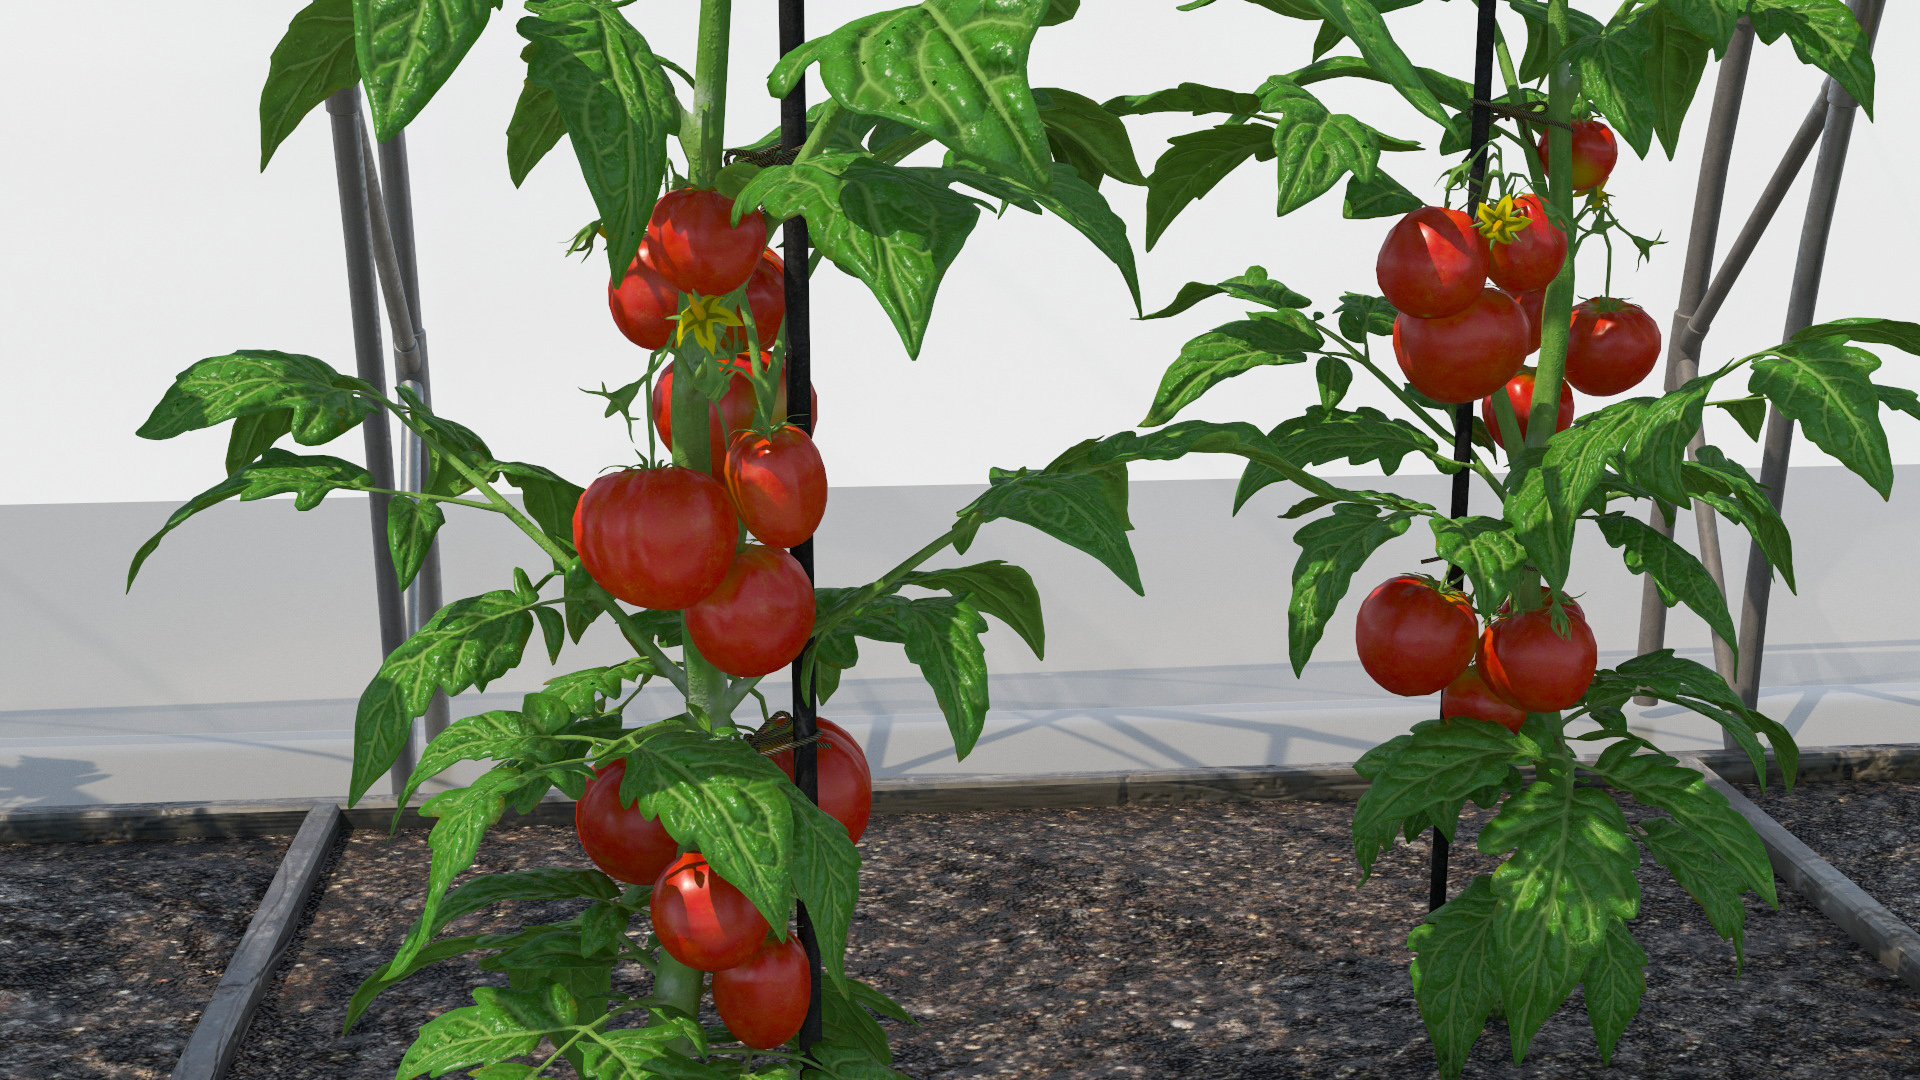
(231, 669)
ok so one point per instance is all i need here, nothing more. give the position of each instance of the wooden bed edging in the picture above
(900, 795)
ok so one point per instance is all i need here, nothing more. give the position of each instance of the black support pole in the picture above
(1482, 132)
(796, 252)
(356, 222)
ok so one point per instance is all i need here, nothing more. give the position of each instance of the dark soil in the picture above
(1224, 941)
(1869, 830)
(108, 952)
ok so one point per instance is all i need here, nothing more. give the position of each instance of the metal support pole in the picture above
(356, 221)
(1709, 196)
(1481, 134)
(1807, 269)
(796, 252)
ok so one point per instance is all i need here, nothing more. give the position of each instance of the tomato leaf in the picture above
(1074, 201)
(411, 525)
(1334, 378)
(1570, 878)
(1726, 486)
(1313, 147)
(1226, 351)
(1454, 973)
(1615, 979)
(1092, 140)
(953, 69)
(826, 876)
(1676, 573)
(1486, 550)
(589, 690)
(1661, 782)
(993, 588)
(1362, 316)
(1823, 386)
(1439, 766)
(469, 642)
(1085, 509)
(500, 1024)
(1700, 870)
(848, 1028)
(1825, 34)
(895, 229)
(1059, 11)
(1901, 335)
(1691, 685)
(406, 50)
(549, 498)
(1613, 66)
(1361, 20)
(1379, 196)
(618, 108)
(307, 477)
(1196, 99)
(1454, 93)
(464, 815)
(942, 639)
(1194, 163)
(644, 1051)
(535, 128)
(253, 434)
(1676, 57)
(1331, 549)
(1538, 59)
(389, 974)
(1711, 20)
(1253, 286)
(313, 59)
(1749, 412)
(322, 403)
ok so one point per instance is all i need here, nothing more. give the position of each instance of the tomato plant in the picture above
(702, 920)
(1528, 661)
(846, 780)
(645, 305)
(764, 1001)
(1467, 355)
(625, 843)
(1469, 695)
(778, 484)
(1519, 398)
(659, 538)
(698, 247)
(1433, 263)
(1594, 154)
(1611, 347)
(758, 618)
(1415, 635)
(1533, 257)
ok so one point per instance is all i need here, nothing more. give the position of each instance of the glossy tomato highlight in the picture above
(1433, 263)
(1466, 356)
(696, 246)
(778, 484)
(659, 538)
(701, 919)
(1415, 635)
(757, 619)
(625, 843)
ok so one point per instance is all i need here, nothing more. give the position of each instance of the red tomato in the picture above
(659, 538)
(1433, 263)
(1415, 635)
(734, 413)
(696, 246)
(778, 484)
(846, 780)
(1611, 346)
(620, 840)
(1534, 257)
(1469, 696)
(701, 919)
(1525, 662)
(1531, 302)
(645, 306)
(767, 299)
(764, 1001)
(1594, 153)
(1466, 356)
(759, 617)
(1520, 394)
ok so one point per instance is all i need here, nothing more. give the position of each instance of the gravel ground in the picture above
(1225, 941)
(108, 952)
(1869, 831)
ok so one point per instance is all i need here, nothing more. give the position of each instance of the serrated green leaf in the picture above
(1485, 548)
(826, 875)
(1254, 286)
(1331, 550)
(468, 643)
(500, 1024)
(617, 105)
(1822, 385)
(1229, 350)
(1537, 59)
(549, 498)
(1194, 163)
(1085, 510)
(1659, 781)
(463, 816)
(1322, 435)
(1073, 200)
(1454, 973)
(580, 601)
(1361, 21)
(1690, 684)
(1749, 412)
(896, 229)
(952, 69)
(536, 883)
(1570, 877)
(1313, 147)
(1825, 34)
(1362, 316)
(322, 403)
(1615, 980)
(1901, 335)
(388, 974)
(1452, 92)
(533, 130)
(1725, 485)
(1194, 98)
(1700, 870)
(411, 525)
(494, 735)
(1712, 20)
(1676, 573)
(993, 588)
(253, 434)
(1334, 377)
(643, 1052)
(1088, 137)
(406, 50)
(942, 639)
(313, 59)
(1378, 196)
(307, 477)
(1675, 59)
(1438, 765)
(1613, 74)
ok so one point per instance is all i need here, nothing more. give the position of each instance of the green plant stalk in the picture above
(678, 986)
(705, 135)
(706, 686)
(1479, 467)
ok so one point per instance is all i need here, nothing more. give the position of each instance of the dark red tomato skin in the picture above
(764, 1001)
(1413, 639)
(1594, 154)
(1546, 600)
(1520, 394)
(778, 484)
(623, 842)
(735, 412)
(1531, 302)
(1611, 346)
(701, 919)
(659, 538)
(758, 618)
(1534, 257)
(646, 306)
(696, 246)
(1433, 263)
(766, 299)
(1470, 696)
(1525, 662)
(846, 779)
(1466, 356)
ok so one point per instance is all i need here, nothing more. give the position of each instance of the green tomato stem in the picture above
(704, 134)
(1557, 309)
(679, 986)
(706, 686)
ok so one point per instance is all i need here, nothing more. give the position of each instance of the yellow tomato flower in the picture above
(703, 317)
(1501, 221)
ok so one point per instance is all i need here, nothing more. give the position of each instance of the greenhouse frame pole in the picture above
(1808, 267)
(357, 226)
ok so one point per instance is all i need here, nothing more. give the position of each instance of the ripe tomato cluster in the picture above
(760, 985)
(1470, 300)
(1418, 636)
(670, 538)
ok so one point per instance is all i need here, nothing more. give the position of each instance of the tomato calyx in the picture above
(1501, 222)
(703, 317)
